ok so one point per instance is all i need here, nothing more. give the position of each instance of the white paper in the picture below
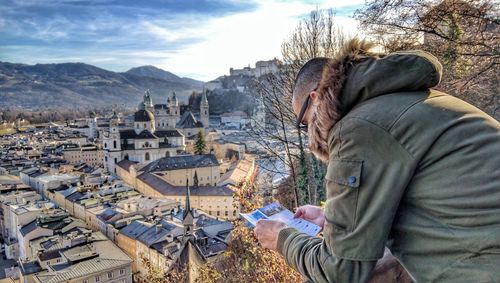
(275, 211)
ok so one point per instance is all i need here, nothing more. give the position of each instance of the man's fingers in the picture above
(300, 211)
(258, 227)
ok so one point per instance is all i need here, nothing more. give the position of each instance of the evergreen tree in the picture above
(200, 145)
(319, 172)
(303, 192)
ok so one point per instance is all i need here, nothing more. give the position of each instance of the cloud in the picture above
(196, 38)
(242, 39)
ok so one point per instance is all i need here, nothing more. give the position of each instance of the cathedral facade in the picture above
(159, 130)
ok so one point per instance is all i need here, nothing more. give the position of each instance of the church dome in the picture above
(141, 106)
(143, 116)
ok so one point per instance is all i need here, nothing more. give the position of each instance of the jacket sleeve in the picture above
(366, 177)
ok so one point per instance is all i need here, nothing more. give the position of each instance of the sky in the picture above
(196, 39)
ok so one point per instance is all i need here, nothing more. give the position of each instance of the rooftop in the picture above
(181, 162)
(57, 177)
(143, 116)
(167, 189)
(188, 121)
(95, 257)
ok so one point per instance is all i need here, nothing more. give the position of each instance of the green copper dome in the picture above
(141, 106)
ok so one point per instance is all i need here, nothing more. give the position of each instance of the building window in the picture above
(146, 156)
(218, 213)
(145, 126)
(105, 145)
(85, 281)
(122, 271)
(234, 212)
(114, 144)
(110, 275)
(98, 279)
(137, 126)
(226, 213)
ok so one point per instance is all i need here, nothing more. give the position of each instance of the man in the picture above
(409, 168)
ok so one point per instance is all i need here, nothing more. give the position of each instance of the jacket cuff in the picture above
(282, 237)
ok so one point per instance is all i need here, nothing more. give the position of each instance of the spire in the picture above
(188, 217)
(147, 99)
(114, 120)
(188, 196)
(204, 99)
(195, 179)
(174, 99)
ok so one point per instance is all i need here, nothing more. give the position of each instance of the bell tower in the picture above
(204, 108)
(148, 101)
(112, 147)
(188, 217)
(174, 109)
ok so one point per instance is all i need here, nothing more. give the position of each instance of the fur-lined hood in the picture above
(356, 74)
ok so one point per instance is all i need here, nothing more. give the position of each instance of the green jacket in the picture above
(412, 169)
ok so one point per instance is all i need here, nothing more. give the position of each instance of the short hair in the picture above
(309, 75)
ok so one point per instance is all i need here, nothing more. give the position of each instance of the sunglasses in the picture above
(298, 124)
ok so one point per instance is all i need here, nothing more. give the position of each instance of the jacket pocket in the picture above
(343, 179)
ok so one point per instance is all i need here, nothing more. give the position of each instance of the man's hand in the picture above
(267, 232)
(312, 214)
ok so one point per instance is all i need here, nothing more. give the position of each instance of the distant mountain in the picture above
(157, 73)
(78, 84)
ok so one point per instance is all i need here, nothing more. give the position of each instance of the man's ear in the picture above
(314, 95)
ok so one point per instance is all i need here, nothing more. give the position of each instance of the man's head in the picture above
(306, 85)
(317, 90)
(315, 104)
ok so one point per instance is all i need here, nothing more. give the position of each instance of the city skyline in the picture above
(196, 39)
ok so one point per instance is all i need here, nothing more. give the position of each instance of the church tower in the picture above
(115, 119)
(204, 114)
(148, 101)
(188, 217)
(174, 109)
(112, 147)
